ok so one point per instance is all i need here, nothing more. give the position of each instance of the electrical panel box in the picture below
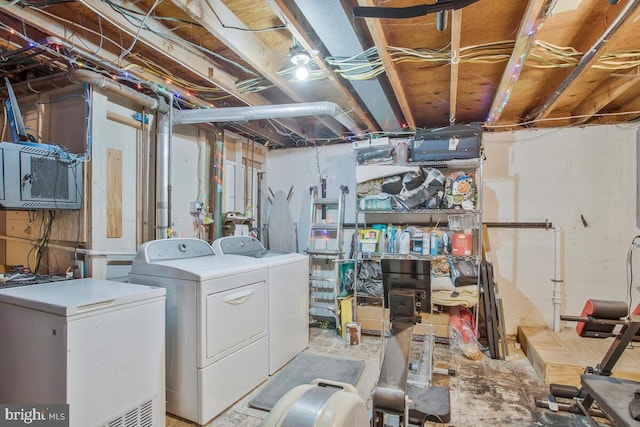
(38, 176)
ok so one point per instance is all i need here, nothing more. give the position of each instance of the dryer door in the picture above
(233, 319)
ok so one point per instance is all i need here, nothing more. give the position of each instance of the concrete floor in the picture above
(483, 392)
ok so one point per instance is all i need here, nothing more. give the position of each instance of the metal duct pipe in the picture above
(335, 29)
(246, 114)
(217, 180)
(75, 77)
(163, 173)
(217, 115)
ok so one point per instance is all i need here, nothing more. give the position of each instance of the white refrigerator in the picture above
(95, 345)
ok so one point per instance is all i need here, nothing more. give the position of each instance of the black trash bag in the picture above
(435, 185)
(369, 281)
(463, 272)
(392, 184)
(408, 200)
(412, 180)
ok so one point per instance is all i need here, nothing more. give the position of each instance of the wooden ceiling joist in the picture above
(456, 34)
(196, 62)
(247, 46)
(280, 7)
(587, 61)
(537, 11)
(617, 85)
(381, 42)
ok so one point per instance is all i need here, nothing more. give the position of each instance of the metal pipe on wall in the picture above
(76, 77)
(556, 298)
(163, 135)
(557, 291)
(279, 111)
(218, 115)
(217, 181)
(171, 116)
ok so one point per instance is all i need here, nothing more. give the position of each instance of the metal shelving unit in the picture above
(421, 217)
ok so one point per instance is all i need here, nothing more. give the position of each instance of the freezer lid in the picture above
(71, 297)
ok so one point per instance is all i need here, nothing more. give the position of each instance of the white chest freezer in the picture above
(95, 345)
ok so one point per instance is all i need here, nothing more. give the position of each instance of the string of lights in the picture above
(362, 66)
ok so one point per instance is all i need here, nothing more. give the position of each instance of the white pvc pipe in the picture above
(557, 291)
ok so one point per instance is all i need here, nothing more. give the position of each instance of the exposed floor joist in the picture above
(587, 61)
(245, 45)
(606, 93)
(537, 11)
(197, 63)
(281, 9)
(456, 33)
(380, 40)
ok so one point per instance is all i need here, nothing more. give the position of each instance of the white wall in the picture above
(529, 176)
(560, 175)
(304, 168)
(109, 134)
(190, 159)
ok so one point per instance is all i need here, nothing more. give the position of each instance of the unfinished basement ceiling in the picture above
(535, 63)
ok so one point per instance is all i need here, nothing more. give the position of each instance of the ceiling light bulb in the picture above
(298, 56)
(302, 73)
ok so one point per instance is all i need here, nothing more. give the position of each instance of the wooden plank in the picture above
(617, 28)
(560, 357)
(486, 244)
(456, 31)
(617, 85)
(381, 40)
(537, 11)
(114, 193)
(254, 152)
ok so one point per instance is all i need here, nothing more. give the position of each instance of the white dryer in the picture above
(216, 324)
(288, 290)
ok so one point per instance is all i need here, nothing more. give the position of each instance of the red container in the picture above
(461, 244)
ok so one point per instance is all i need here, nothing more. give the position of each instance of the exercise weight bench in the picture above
(598, 320)
(407, 293)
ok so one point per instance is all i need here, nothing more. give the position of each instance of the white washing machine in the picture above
(216, 328)
(288, 290)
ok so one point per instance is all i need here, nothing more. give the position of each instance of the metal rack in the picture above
(326, 253)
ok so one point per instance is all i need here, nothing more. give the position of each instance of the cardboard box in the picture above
(436, 318)
(372, 326)
(370, 319)
(371, 312)
(441, 331)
